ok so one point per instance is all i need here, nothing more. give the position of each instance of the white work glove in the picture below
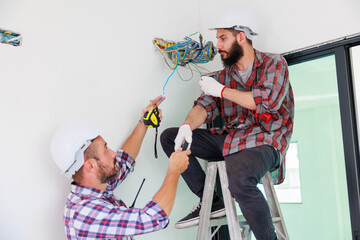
(211, 87)
(184, 133)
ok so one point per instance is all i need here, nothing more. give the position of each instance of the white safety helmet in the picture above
(69, 143)
(238, 19)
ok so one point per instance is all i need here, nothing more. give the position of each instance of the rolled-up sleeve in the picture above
(210, 104)
(272, 87)
(126, 165)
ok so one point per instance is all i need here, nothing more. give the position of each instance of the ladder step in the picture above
(223, 221)
(242, 221)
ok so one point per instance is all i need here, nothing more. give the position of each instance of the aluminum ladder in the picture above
(237, 225)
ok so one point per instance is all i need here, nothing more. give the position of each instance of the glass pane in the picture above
(355, 62)
(289, 191)
(323, 212)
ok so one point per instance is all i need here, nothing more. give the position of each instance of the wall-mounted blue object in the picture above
(10, 37)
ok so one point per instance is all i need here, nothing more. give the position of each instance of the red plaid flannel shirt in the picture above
(272, 92)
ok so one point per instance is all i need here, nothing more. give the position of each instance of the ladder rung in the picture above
(242, 221)
(223, 221)
(214, 222)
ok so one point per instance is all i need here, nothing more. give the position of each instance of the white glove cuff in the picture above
(222, 91)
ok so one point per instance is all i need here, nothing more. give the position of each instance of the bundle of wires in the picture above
(187, 52)
(9, 37)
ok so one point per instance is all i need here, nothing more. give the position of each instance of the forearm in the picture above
(196, 117)
(244, 99)
(165, 197)
(133, 142)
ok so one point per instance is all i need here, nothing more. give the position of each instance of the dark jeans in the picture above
(244, 169)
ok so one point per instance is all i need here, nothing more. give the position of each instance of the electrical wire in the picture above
(188, 52)
(170, 75)
(191, 51)
(192, 73)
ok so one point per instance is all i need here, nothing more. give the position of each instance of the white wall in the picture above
(91, 61)
(94, 61)
(290, 25)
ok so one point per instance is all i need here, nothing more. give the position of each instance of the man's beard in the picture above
(104, 178)
(235, 53)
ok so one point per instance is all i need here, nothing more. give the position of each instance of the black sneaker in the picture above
(217, 209)
(192, 219)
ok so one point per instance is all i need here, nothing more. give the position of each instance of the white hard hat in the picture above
(238, 19)
(69, 143)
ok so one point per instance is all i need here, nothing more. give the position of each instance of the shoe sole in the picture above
(218, 213)
(188, 223)
(195, 221)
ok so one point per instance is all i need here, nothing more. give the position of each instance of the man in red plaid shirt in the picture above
(253, 96)
(92, 210)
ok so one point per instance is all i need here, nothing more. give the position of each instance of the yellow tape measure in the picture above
(151, 118)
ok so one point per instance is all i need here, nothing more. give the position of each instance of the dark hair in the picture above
(236, 32)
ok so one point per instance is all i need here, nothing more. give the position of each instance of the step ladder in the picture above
(237, 225)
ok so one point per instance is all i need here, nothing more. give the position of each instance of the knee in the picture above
(168, 134)
(241, 184)
(167, 138)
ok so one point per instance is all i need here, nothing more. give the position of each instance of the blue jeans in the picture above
(244, 169)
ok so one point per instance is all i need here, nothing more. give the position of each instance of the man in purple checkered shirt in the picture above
(92, 210)
(254, 99)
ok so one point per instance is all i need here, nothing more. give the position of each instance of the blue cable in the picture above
(177, 62)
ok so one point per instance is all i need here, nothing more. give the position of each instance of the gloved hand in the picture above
(184, 133)
(211, 87)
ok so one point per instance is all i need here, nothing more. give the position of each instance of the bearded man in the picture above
(254, 99)
(92, 210)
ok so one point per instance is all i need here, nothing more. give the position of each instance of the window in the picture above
(323, 78)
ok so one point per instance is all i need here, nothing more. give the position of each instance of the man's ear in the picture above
(90, 165)
(241, 38)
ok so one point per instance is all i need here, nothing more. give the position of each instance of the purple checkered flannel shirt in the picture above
(94, 214)
(272, 92)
